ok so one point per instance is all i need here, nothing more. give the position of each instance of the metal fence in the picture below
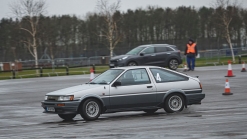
(212, 56)
(70, 62)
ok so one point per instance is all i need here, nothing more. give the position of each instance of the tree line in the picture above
(68, 36)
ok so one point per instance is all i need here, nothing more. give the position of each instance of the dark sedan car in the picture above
(163, 55)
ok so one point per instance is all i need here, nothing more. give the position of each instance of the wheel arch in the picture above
(170, 58)
(131, 60)
(175, 91)
(83, 99)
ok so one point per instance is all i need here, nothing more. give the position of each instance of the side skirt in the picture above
(131, 109)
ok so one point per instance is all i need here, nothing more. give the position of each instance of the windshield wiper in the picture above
(92, 83)
(102, 83)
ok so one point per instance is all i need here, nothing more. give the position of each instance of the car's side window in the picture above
(134, 77)
(161, 49)
(149, 50)
(169, 49)
(161, 75)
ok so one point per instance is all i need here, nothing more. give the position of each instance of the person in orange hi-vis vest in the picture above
(191, 53)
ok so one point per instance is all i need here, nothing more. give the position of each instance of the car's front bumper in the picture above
(70, 107)
(114, 64)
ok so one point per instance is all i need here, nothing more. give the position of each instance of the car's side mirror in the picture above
(117, 83)
(141, 54)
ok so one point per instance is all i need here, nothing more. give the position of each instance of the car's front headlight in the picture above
(65, 98)
(123, 58)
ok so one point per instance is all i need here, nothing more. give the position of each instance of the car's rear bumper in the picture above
(194, 98)
(70, 107)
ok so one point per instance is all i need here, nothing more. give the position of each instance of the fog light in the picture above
(60, 105)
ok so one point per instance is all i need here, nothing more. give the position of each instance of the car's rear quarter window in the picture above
(161, 75)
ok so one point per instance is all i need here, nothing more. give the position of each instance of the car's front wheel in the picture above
(174, 103)
(67, 117)
(132, 64)
(150, 111)
(90, 110)
(173, 64)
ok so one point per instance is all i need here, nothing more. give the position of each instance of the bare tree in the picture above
(111, 31)
(225, 10)
(29, 12)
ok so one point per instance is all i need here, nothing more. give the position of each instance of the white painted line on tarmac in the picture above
(11, 82)
(18, 106)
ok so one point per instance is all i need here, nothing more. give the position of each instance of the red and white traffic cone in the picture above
(229, 73)
(227, 88)
(243, 67)
(91, 74)
(185, 68)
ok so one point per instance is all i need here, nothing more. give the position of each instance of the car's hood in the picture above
(119, 57)
(71, 90)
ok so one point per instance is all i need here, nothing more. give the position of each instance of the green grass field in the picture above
(99, 69)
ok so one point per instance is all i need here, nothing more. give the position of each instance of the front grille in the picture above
(49, 104)
(54, 98)
(114, 62)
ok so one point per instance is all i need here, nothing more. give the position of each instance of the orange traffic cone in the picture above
(243, 67)
(227, 88)
(185, 68)
(91, 74)
(229, 73)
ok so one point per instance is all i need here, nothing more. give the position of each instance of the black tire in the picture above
(174, 103)
(90, 110)
(132, 63)
(173, 64)
(150, 111)
(67, 117)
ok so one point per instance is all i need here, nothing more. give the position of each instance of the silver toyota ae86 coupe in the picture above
(137, 88)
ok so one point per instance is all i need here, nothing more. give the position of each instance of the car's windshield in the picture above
(135, 51)
(107, 77)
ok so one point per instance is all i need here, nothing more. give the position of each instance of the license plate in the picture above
(50, 109)
(112, 65)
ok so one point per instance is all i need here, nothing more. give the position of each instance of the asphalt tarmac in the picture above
(218, 117)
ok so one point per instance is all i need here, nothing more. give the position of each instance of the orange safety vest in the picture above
(191, 48)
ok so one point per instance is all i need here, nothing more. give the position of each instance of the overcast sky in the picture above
(81, 7)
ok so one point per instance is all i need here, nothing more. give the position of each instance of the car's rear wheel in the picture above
(173, 64)
(67, 117)
(132, 63)
(174, 103)
(90, 110)
(150, 111)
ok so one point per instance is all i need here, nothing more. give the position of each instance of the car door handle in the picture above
(153, 55)
(149, 86)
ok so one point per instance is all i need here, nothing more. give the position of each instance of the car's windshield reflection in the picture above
(135, 51)
(107, 77)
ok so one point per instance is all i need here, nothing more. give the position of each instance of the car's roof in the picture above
(153, 45)
(136, 67)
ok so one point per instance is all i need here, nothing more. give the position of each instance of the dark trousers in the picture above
(191, 62)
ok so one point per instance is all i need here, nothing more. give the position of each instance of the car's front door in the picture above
(148, 57)
(136, 90)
